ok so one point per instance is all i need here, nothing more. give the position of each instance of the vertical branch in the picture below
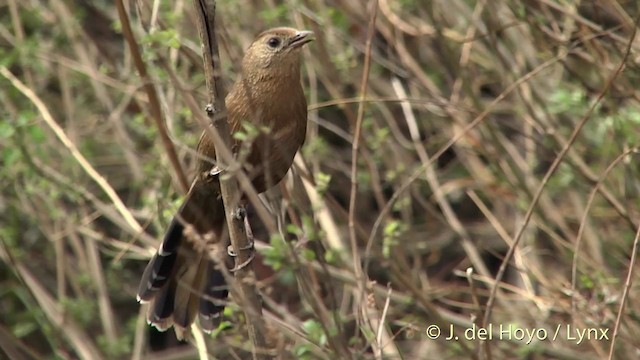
(216, 109)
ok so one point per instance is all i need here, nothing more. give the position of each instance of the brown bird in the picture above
(181, 281)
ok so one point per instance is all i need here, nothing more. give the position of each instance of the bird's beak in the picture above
(301, 38)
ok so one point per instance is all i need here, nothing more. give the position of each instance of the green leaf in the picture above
(6, 130)
(322, 182)
(36, 134)
(314, 331)
(10, 156)
(391, 234)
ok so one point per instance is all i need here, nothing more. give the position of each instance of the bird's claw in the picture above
(215, 171)
(244, 264)
(231, 252)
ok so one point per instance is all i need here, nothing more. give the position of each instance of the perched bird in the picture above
(181, 281)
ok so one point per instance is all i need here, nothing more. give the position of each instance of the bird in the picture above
(181, 281)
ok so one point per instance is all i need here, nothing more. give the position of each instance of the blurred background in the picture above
(482, 123)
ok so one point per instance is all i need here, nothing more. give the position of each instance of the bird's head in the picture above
(277, 50)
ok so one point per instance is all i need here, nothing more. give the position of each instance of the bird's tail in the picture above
(182, 281)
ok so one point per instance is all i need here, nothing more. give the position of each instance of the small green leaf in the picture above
(322, 182)
(6, 130)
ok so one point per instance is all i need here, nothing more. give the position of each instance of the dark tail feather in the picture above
(161, 311)
(196, 290)
(190, 281)
(212, 303)
(161, 267)
(180, 281)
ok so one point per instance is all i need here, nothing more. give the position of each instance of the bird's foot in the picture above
(231, 252)
(244, 264)
(215, 171)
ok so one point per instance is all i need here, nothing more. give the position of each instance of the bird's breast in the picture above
(277, 112)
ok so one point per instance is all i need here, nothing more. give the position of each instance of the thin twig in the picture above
(154, 103)
(357, 266)
(625, 293)
(583, 222)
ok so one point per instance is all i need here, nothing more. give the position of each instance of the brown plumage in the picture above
(269, 97)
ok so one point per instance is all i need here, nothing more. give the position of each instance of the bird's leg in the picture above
(241, 215)
(244, 264)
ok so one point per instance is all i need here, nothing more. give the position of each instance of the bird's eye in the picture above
(273, 42)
